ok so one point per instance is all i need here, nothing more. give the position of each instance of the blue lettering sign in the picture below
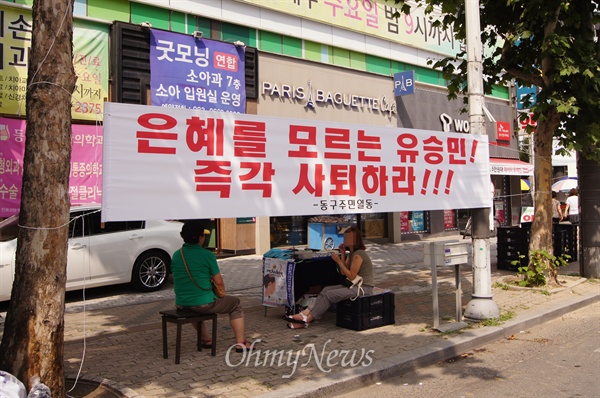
(404, 83)
(196, 73)
(522, 93)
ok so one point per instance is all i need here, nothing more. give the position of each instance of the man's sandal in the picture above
(243, 346)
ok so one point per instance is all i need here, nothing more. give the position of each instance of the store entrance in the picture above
(293, 230)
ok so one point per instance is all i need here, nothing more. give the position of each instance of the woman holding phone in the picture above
(356, 263)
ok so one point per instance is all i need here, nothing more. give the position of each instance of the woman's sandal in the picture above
(297, 325)
(304, 319)
(241, 347)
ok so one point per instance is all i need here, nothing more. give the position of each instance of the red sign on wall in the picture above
(503, 131)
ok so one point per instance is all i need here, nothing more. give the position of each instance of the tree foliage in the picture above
(550, 44)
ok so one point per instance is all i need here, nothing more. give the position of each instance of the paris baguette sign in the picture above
(312, 97)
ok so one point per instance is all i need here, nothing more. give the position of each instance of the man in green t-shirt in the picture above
(195, 270)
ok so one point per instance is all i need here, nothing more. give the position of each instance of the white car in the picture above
(100, 254)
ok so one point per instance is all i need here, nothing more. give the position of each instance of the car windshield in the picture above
(9, 228)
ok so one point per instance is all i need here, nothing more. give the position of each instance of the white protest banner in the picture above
(165, 163)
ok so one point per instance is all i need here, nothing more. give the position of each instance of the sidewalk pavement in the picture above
(117, 341)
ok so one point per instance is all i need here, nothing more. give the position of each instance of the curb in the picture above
(349, 379)
(111, 387)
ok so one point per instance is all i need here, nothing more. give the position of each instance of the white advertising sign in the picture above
(165, 163)
(527, 214)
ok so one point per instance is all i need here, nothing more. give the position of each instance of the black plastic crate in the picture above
(514, 254)
(511, 232)
(568, 238)
(505, 263)
(367, 312)
(517, 247)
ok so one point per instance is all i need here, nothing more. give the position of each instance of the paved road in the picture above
(116, 339)
(560, 358)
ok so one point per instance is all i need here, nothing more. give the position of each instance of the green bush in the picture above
(542, 265)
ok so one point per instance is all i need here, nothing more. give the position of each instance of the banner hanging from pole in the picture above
(162, 163)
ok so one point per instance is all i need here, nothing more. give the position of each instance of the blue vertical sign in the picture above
(191, 73)
(522, 92)
(418, 219)
(404, 83)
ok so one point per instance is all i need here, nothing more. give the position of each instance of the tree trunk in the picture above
(32, 343)
(541, 229)
(589, 204)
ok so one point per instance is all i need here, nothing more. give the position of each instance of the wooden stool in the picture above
(181, 318)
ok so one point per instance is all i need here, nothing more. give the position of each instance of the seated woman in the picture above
(357, 262)
(194, 270)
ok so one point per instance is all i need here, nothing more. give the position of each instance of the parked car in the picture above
(100, 254)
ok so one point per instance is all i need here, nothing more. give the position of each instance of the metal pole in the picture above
(434, 287)
(481, 306)
(458, 293)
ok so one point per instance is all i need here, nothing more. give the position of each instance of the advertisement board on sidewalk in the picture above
(278, 282)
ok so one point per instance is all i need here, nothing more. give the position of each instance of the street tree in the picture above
(549, 44)
(32, 343)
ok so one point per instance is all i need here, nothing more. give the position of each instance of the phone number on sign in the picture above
(87, 107)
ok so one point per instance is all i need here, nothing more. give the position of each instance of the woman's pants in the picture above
(335, 294)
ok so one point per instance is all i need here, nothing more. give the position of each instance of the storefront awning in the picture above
(511, 167)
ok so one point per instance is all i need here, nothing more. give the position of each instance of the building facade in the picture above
(329, 61)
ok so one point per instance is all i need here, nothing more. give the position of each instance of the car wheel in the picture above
(150, 271)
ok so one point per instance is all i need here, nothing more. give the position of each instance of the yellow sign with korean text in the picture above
(90, 60)
(375, 18)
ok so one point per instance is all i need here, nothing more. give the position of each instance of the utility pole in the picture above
(481, 306)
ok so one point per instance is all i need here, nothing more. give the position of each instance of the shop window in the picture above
(373, 225)
(414, 222)
(358, 61)
(203, 25)
(500, 92)
(378, 65)
(312, 51)
(450, 220)
(271, 42)
(288, 231)
(158, 17)
(292, 46)
(110, 10)
(401, 67)
(341, 57)
(231, 33)
(179, 23)
(462, 217)
(428, 76)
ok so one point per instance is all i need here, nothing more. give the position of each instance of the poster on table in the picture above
(278, 282)
(196, 73)
(199, 164)
(90, 61)
(85, 180)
